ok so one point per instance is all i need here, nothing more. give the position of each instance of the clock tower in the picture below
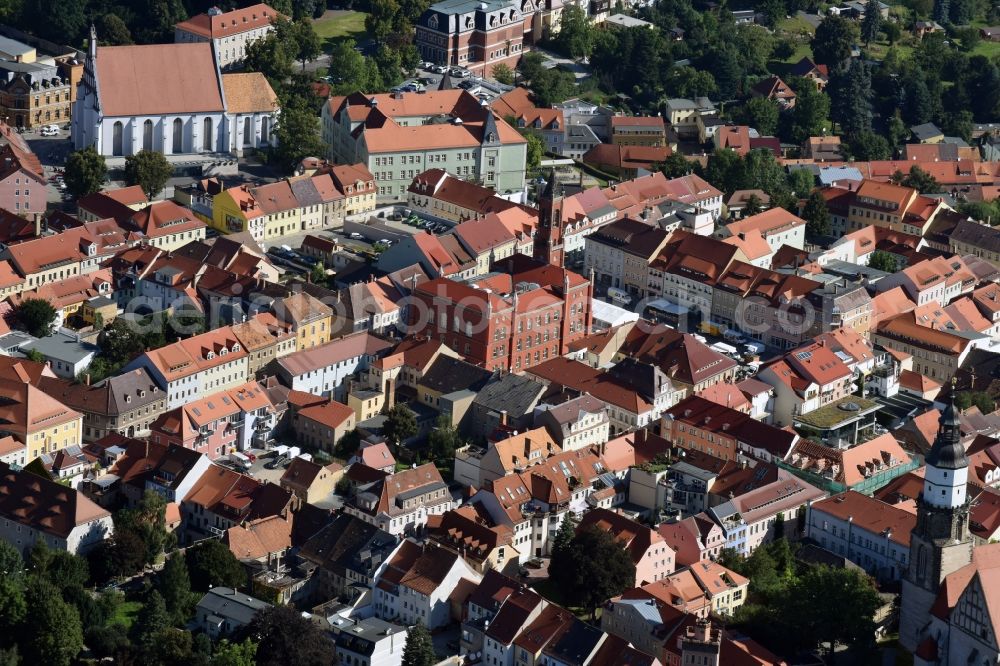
(940, 543)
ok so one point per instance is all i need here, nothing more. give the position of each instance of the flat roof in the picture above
(63, 347)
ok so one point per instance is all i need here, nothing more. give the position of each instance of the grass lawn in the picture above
(126, 613)
(336, 25)
(988, 49)
(795, 25)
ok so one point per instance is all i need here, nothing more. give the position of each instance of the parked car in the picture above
(385, 241)
(47, 131)
(439, 69)
(356, 236)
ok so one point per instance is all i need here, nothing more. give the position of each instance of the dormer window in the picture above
(223, 351)
(209, 356)
(236, 347)
(128, 398)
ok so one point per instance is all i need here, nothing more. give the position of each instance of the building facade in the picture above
(472, 34)
(401, 135)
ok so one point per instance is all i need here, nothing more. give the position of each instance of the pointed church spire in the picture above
(947, 451)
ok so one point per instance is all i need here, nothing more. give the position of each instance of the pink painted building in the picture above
(693, 539)
(22, 179)
(653, 558)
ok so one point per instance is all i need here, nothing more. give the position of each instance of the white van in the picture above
(240, 460)
(619, 296)
(731, 335)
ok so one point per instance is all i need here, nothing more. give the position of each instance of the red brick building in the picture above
(512, 321)
(475, 34)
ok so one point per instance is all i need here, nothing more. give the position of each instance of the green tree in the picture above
(726, 171)
(235, 654)
(551, 86)
(443, 440)
(108, 642)
(564, 536)
(59, 568)
(113, 31)
(592, 569)
(532, 64)
(85, 172)
(868, 145)
(816, 215)
(62, 21)
(121, 342)
(121, 555)
(13, 604)
(980, 399)
(801, 182)
(283, 636)
(872, 22)
(576, 33)
(211, 564)
(809, 115)
(298, 137)
(37, 316)
(676, 165)
(831, 45)
(152, 619)
(683, 81)
(148, 521)
(349, 66)
(503, 74)
(753, 206)
(419, 650)
(174, 584)
(347, 445)
(921, 181)
(149, 170)
(51, 631)
(829, 606)
(761, 114)
(535, 151)
(307, 43)
(271, 57)
(400, 425)
(883, 261)
(380, 22)
(851, 97)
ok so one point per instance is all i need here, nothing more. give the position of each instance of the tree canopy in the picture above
(37, 316)
(419, 650)
(211, 564)
(85, 172)
(592, 568)
(283, 636)
(148, 169)
(400, 425)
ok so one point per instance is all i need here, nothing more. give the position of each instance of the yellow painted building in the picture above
(311, 320)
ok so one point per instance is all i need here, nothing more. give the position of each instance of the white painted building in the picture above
(34, 509)
(169, 98)
(229, 32)
(416, 583)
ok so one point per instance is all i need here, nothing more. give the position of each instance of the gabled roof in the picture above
(248, 92)
(226, 24)
(134, 82)
(419, 568)
(335, 351)
(44, 505)
(871, 514)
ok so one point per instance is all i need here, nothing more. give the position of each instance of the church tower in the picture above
(549, 237)
(940, 543)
